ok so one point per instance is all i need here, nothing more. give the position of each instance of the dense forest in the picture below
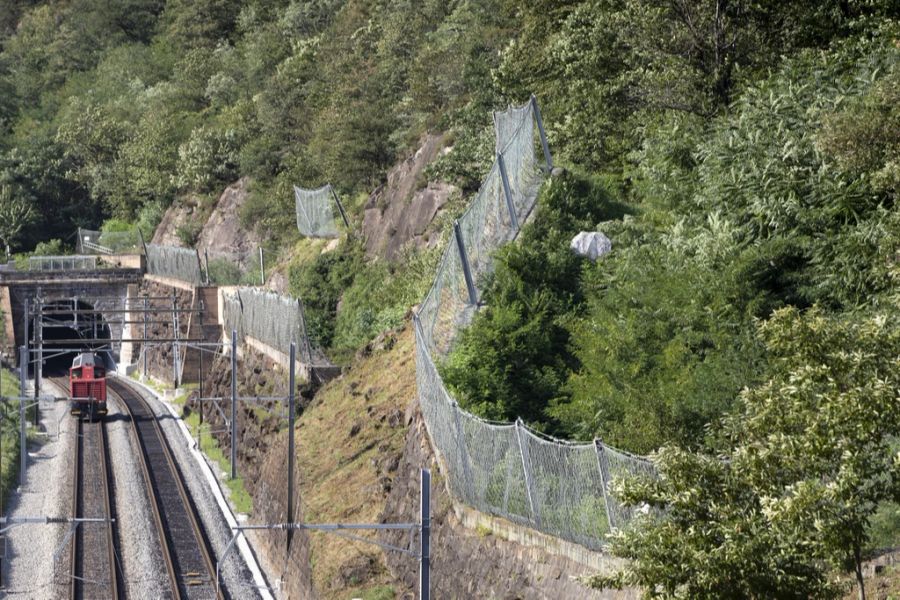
(743, 157)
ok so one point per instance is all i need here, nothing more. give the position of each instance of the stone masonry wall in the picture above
(259, 423)
(270, 506)
(160, 355)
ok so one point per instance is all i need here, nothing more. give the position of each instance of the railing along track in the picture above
(185, 547)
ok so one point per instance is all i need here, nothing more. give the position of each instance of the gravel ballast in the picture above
(142, 563)
(235, 575)
(27, 568)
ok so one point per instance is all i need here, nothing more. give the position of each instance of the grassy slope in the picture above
(9, 460)
(340, 481)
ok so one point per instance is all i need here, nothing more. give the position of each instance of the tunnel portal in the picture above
(69, 327)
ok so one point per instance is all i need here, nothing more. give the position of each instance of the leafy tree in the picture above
(800, 470)
(764, 168)
(16, 214)
(663, 347)
(191, 24)
(52, 247)
(321, 285)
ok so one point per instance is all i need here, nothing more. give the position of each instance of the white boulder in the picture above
(591, 244)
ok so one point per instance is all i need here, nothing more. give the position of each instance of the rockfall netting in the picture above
(108, 242)
(317, 212)
(506, 469)
(61, 263)
(232, 268)
(174, 262)
(271, 318)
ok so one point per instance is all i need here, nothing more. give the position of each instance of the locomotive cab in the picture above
(87, 385)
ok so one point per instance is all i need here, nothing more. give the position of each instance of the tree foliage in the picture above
(515, 358)
(800, 469)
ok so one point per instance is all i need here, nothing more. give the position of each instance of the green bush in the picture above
(224, 272)
(49, 248)
(515, 358)
(321, 284)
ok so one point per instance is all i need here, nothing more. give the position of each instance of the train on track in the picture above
(87, 386)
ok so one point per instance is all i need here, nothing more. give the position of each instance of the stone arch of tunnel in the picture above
(70, 326)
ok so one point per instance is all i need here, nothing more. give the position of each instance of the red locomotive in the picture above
(87, 385)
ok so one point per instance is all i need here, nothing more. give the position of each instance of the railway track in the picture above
(185, 547)
(94, 569)
(94, 566)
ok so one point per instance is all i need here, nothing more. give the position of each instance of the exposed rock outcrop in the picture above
(177, 217)
(400, 211)
(223, 232)
(217, 230)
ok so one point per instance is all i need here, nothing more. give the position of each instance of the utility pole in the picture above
(290, 465)
(233, 404)
(39, 365)
(23, 375)
(175, 343)
(144, 343)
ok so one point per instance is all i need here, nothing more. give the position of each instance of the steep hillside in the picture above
(743, 158)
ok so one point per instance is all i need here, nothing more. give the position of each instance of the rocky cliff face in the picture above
(222, 232)
(400, 211)
(216, 229)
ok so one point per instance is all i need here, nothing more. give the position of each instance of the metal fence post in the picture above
(425, 536)
(526, 469)
(199, 280)
(143, 244)
(340, 207)
(233, 404)
(290, 464)
(262, 268)
(603, 467)
(540, 124)
(206, 256)
(175, 343)
(507, 193)
(23, 375)
(464, 259)
(144, 345)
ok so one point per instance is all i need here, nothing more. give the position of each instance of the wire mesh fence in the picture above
(508, 470)
(174, 263)
(271, 318)
(108, 242)
(232, 268)
(318, 211)
(61, 263)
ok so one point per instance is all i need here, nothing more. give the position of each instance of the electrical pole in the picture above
(233, 404)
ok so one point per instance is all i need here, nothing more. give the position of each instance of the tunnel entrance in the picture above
(69, 327)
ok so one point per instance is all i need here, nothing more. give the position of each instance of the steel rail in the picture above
(86, 569)
(182, 538)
